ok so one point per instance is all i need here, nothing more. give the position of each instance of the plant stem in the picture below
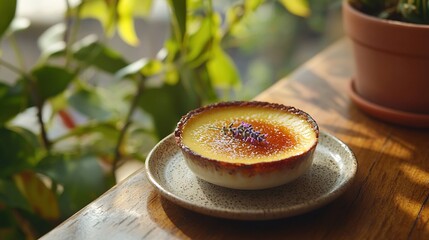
(134, 104)
(71, 31)
(36, 97)
(39, 104)
(25, 225)
(13, 68)
(18, 53)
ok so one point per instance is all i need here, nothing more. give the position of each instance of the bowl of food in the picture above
(247, 145)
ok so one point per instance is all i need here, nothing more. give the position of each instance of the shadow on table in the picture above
(198, 226)
(397, 170)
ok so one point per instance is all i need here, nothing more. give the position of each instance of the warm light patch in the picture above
(415, 174)
(407, 205)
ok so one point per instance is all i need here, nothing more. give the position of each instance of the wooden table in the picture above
(387, 200)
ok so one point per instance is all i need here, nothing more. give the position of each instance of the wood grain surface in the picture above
(387, 200)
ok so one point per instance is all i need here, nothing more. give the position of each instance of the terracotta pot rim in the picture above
(393, 23)
(386, 35)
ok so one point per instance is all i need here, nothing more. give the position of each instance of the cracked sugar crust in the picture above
(287, 135)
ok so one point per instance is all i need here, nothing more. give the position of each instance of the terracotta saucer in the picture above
(388, 114)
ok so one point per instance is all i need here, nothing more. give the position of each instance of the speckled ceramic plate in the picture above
(333, 168)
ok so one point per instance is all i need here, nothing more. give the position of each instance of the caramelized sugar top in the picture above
(278, 139)
(287, 135)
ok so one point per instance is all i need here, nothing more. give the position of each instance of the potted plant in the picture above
(390, 41)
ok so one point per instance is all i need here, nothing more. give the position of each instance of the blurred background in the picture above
(80, 114)
(273, 43)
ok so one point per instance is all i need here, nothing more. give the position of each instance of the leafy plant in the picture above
(46, 174)
(413, 11)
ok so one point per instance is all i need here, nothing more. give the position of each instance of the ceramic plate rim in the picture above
(290, 211)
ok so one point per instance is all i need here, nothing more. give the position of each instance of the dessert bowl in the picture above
(247, 145)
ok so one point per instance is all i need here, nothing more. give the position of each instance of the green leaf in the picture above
(11, 196)
(222, 70)
(201, 39)
(195, 5)
(127, 31)
(102, 143)
(297, 7)
(105, 132)
(234, 15)
(127, 9)
(172, 75)
(152, 68)
(238, 13)
(126, 28)
(106, 129)
(90, 102)
(99, 10)
(42, 200)
(252, 5)
(131, 69)
(94, 53)
(58, 103)
(141, 8)
(166, 105)
(179, 9)
(143, 66)
(7, 13)
(33, 140)
(52, 40)
(51, 80)
(81, 178)
(139, 143)
(161, 105)
(16, 152)
(12, 101)
(170, 50)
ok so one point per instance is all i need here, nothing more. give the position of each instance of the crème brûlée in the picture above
(247, 145)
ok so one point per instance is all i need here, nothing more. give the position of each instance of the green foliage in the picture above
(51, 80)
(46, 175)
(226, 78)
(41, 199)
(416, 11)
(77, 179)
(12, 101)
(11, 196)
(7, 13)
(179, 10)
(17, 152)
(171, 103)
(93, 53)
(297, 7)
(90, 102)
(413, 11)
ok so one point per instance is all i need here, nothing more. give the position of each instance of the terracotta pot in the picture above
(391, 60)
